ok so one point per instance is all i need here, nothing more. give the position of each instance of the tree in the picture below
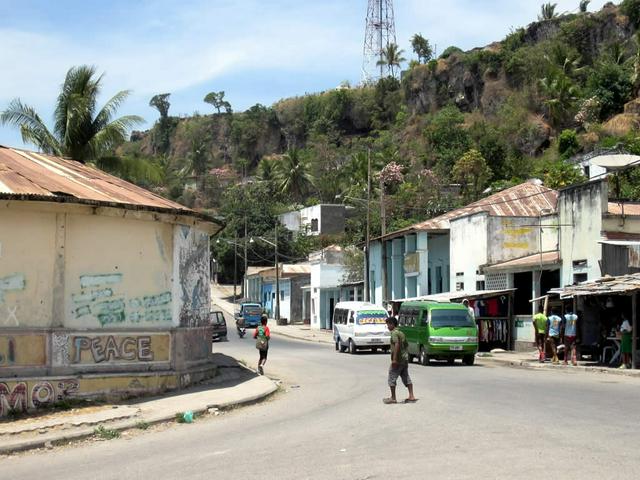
(161, 103)
(547, 11)
(584, 5)
(216, 99)
(473, 173)
(161, 138)
(561, 95)
(636, 67)
(422, 48)
(292, 175)
(80, 131)
(391, 56)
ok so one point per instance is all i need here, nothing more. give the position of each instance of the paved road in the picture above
(470, 422)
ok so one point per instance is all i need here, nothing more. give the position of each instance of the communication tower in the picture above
(379, 34)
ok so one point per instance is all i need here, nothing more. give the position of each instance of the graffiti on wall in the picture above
(22, 350)
(99, 298)
(114, 349)
(22, 396)
(10, 284)
(192, 250)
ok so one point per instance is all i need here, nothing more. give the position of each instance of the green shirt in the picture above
(398, 337)
(540, 322)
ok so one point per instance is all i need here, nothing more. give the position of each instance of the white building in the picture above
(323, 219)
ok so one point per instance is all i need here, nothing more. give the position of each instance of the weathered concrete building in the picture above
(322, 219)
(104, 286)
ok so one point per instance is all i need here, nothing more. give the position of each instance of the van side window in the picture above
(351, 317)
(424, 317)
(402, 318)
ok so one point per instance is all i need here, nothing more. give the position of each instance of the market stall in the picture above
(602, 306)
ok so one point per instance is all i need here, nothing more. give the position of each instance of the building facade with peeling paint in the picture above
(104, 286)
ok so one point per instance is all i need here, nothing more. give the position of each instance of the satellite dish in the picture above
(616, 162)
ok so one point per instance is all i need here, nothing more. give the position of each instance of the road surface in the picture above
(330, 422)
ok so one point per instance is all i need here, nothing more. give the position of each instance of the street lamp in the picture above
(275, 246)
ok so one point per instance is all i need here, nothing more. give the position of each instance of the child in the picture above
(262, 336)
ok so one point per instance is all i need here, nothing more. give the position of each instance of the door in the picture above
(332, 303)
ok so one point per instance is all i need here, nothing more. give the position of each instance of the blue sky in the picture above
(257, 51)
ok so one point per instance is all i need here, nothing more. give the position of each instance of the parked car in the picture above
(219, 324)
(360, 325)
(248, 316)
(439, 331)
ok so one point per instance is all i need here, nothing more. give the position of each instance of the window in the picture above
(480, 285)
(579, 277)
(351, 317)
(579, 264)
(314, 224)
(439, 280)
(281, 294)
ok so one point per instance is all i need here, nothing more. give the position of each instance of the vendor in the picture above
(625, 348)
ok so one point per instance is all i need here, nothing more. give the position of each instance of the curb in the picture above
(314, 340)
(84, 433)
(559, 368)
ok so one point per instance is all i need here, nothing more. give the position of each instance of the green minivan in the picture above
(438, 331)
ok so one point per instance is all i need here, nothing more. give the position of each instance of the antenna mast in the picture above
(379, 34)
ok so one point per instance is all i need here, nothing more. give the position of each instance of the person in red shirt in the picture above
(262, 336)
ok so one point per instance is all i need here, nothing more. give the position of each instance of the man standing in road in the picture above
(540, 332)
(399, 363)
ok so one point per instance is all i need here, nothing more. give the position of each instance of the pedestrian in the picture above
(472, 312)
(570, 336)
(262, 336)
(399, 363)
(540, 332)
(626, 341)
(554, 323)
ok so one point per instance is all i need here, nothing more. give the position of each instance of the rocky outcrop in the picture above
(626, 122)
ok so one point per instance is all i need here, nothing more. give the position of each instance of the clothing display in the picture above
(493, 330)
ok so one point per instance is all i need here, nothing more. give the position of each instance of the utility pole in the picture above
(244, 277)
(367, 240)
(383, 219)
(277, 278)
(235, 267)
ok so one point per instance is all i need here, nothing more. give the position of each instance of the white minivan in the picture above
(359, 325)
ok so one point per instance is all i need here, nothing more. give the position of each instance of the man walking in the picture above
(540, 332)
(399, 363)
(262, 336)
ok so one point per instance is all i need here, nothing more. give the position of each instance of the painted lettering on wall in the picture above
(23, 396)
(10, 284)
(119, 348)
(99, 298)
(22, 350)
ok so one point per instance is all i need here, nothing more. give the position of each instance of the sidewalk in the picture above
(234, 385)
(530, 360)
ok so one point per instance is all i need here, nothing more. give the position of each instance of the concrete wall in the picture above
(468, 245)
(580, 214)
(514, 237)
(104, 291)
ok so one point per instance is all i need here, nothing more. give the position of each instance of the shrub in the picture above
(450, 51)
(611, 85)
(568, 144)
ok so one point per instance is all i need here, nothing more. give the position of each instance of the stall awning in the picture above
(544, 260)
(459, 296)
(621, 285)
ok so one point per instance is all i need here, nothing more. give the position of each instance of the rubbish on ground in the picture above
(498, 350)
(188, 416)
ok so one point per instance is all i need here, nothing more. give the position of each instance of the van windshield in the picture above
(252, 310)
(450, 318)
(373, 317)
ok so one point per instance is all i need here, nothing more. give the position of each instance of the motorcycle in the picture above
(242, 331)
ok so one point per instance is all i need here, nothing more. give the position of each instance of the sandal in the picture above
(388, 401)
(410, 400)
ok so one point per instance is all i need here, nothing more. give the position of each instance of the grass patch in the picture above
(142, 425)
(106, 433)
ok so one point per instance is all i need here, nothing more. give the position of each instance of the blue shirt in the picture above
(554, 326)
(570, 323)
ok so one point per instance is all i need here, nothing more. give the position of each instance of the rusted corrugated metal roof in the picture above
(535, 260)
(35, 176)
(617, 208)
(622, 284)
(524, 200)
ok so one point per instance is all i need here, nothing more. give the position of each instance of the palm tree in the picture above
(292, 175)
(80, 131)
(560, 95)
(391, 56)
(547, 11)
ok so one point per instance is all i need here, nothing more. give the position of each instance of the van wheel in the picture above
(374, 350)
(423, 358)
(469, 360)
(352, 347)
(451, 360)
(337, 345)
(411, 358)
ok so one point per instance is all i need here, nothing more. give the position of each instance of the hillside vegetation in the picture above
(451, 129)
